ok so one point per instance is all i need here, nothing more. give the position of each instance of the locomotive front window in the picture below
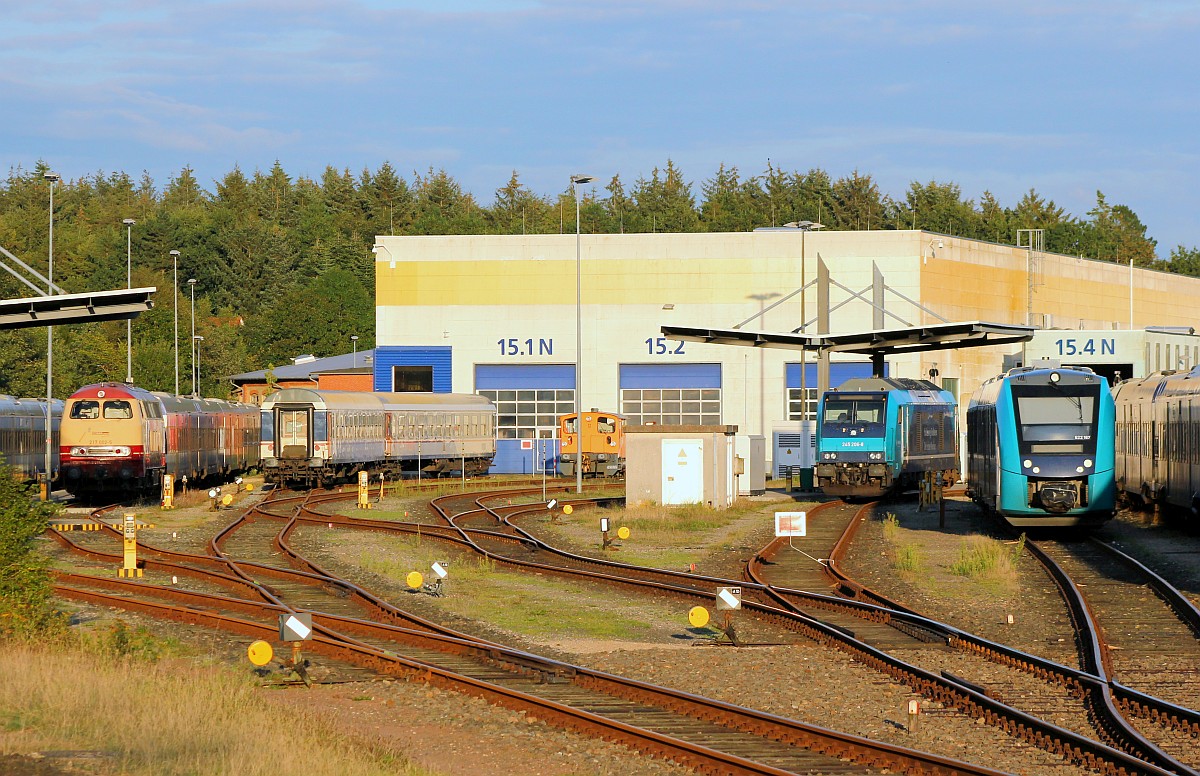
(854, 410)
(117, 409)
(85, 409)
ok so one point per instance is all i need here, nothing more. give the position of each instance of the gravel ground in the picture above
(454, 734)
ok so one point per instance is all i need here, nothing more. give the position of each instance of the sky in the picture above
(1064, 97)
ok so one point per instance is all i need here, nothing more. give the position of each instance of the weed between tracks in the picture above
(523, 602)
(906, 556)
(982, 561)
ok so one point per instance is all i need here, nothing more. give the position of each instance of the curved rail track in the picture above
(503, 541)
(271, 578)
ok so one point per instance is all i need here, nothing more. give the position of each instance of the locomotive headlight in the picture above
(1088, 463)
(122, 451)
(1055, 377)
(1079, 470)
(1037, 470)
(78, 451)
(1027, 463)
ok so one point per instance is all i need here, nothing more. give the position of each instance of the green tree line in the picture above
(283, 265)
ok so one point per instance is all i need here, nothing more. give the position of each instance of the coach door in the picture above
(294, 433)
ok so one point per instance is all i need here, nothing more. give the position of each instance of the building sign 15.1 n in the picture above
(526, 347)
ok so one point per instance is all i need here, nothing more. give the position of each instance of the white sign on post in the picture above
(791, 523)
(729, 598)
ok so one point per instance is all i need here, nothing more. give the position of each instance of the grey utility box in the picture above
(752, 451)
(676, 465)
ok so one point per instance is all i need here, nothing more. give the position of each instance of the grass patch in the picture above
(980, 557)
(166, 718)
(521, 601)
(906, 556)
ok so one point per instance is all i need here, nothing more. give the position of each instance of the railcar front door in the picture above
(294, 433)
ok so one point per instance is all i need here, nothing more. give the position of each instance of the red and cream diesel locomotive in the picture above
(122, 439)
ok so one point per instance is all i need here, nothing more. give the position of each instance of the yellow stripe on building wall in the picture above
(535, 282)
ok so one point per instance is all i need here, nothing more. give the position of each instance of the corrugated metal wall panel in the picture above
(440, 358)
(512, 459)
(670, 375)
(839, 372)
(527, 376)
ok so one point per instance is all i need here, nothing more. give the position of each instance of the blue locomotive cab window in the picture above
(850, 410)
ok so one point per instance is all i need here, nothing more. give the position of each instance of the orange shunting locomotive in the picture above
(603, 444)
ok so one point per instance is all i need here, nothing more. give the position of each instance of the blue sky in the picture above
(1062, 97)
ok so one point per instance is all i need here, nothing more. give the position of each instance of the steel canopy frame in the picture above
(876, 344)
(63, 309)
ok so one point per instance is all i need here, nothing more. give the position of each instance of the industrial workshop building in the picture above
(496, 315)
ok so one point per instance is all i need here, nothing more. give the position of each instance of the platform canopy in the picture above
(62, 309)
(883, 342)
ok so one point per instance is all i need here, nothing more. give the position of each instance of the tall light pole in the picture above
(1130, 290)
(576, 181)
(196, 340)
(51, 178)
(805, 227)
(129, 222)
(192, 285)
(175, 304)
(354, 354)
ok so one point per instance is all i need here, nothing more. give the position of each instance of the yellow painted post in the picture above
(130, 567)
(168, 491)
(364, 491)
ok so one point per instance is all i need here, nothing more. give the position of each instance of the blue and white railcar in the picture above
(23, 436)
(315, 437)
(878, 434)
(1040, 447)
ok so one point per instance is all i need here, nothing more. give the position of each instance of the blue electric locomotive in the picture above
(878, 434)
(1040, 447)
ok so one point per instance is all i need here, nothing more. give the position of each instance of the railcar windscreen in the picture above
(1054, 419)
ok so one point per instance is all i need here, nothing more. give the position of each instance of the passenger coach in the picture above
(1158, 439)
(312, 437)
(23, 436)
(1040, 447)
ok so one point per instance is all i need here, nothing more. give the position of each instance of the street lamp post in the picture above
(51, 178)
(196, 340)
(805, 227)
(192, 285)
(175, 304)
(576, 181)
(1130, 290)
(354, 353)
(129, 222)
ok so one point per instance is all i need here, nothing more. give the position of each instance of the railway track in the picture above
(1082, 700)
(1111, 747)
(1138, 632)
(708, 735)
